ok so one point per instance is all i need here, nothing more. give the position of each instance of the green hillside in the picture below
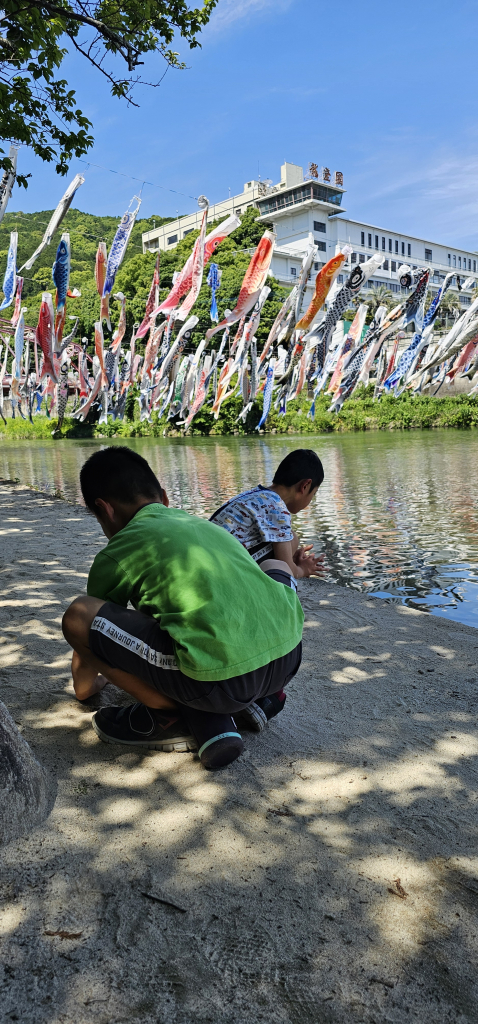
(135, 274)
(86, 231)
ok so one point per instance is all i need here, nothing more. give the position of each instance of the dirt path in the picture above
(286, 864)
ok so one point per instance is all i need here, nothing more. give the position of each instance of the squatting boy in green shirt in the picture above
(210, 631)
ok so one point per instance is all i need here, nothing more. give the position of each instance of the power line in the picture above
(154, 184)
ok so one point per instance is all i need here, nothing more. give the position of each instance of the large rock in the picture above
(26, 795)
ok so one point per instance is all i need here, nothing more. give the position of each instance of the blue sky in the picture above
(383, 92)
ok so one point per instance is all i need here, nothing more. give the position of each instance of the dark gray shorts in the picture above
(136, 644)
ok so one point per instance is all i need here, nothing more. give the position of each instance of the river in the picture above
(397, 514)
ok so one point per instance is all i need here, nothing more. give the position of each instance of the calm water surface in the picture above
(397, 515)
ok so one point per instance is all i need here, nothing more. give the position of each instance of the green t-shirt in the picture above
(225, 616)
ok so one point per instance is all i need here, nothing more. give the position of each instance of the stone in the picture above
(26, 793)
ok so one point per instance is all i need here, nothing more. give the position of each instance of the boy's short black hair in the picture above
(118, 473)
(303, 464)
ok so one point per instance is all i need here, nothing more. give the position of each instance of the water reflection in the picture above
(396, 515)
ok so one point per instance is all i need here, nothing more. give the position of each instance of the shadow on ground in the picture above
(330, 875)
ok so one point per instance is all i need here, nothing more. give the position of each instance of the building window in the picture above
(353, 258)
(383, 244)
(376, 241)
(293, 271)
(459, 262)
(428, 255)
(172, 239)
(469, 264)
(238, 209)
(396, 246)
(449, 260)
(316, 266)
(319, 226)
(187, 232)
(385, 264)
(394, 266)
(362, 238)
(341, 278)
(409, 249)
(474, 266)
(403, 249)
(322, 246)
(361, 258)
(370, 241)
(454, 260)
(390, 245)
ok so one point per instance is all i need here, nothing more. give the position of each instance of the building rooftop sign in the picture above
(325, 174)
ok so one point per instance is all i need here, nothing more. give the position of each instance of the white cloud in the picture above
(416, 187)
(229, 11)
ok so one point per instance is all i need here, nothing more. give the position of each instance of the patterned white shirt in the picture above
(258, 518)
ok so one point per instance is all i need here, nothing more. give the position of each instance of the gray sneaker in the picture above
(252, 717)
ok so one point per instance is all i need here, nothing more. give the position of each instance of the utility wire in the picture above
(154, 184)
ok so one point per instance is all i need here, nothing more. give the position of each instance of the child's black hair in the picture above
(303, 464)
(118, 473)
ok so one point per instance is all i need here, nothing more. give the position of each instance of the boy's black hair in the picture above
(303, 464)
(118, 473)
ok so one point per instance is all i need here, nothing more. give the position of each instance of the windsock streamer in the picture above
(214, 282)
(183, 282)
(121, 329)
(267, 394)
(304, 276)
(100, 353)
(254, 279)
(56, 219)
(45, 336)
(18, 301)
(197, 272)
(323, 284)
(18, 345)
(10, 278)
(355, 281)
(118, 246)
(151, 303)
(348, 345)
(7, 182)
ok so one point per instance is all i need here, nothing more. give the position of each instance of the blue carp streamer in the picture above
(214, 282)
(267, 395)
(118, 247)
(61, 272)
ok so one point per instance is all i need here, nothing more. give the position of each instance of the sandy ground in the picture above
(285, 865)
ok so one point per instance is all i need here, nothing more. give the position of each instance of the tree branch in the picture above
(130, 53)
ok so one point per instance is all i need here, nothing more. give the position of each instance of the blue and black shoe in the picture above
(219, 742)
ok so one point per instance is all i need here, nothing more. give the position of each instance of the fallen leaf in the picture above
(399, 890)
(63, 934)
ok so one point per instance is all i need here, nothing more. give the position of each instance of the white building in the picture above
(309, 209)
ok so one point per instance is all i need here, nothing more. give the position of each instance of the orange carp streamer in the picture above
(100, 352)
(254, 279)
(100, 277)
(323, 283)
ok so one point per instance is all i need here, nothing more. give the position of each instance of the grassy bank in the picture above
(361, 413)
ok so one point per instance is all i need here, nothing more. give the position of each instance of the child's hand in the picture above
(308, 564)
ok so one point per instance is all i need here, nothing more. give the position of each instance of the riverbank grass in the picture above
(407, 412)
